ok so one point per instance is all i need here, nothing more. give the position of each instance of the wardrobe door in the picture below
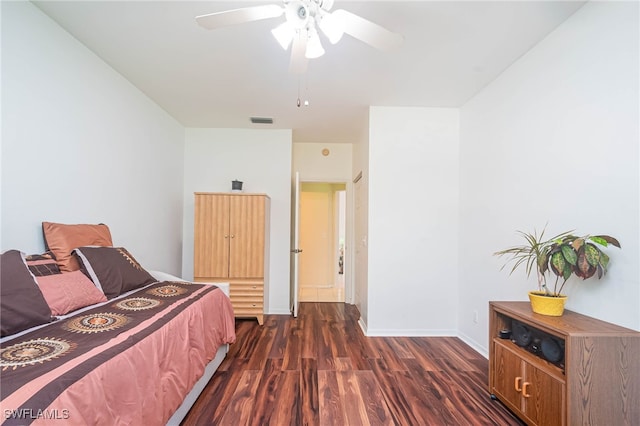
(247, 236)
(211, 236)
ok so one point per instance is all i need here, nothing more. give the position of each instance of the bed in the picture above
(141, 356)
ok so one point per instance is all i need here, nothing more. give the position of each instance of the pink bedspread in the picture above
(131, 361)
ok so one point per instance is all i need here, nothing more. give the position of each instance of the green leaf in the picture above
(567, 272)
(604, 260)
(599, 240)
(558, 264)
(543, 263)
(592, 254)
(569, 254)
(608, 239)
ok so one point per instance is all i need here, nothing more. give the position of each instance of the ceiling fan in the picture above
(300, 30)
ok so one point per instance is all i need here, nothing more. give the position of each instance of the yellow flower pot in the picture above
(546, 305)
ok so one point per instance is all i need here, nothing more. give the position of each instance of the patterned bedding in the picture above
(130, 360)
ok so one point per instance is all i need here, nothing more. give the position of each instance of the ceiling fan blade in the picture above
(299, 61)
(239, 16)
(366, 31)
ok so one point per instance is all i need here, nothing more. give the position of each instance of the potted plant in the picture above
(564, 254)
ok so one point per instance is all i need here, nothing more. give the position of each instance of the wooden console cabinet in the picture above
(231, 243)
(596, 383)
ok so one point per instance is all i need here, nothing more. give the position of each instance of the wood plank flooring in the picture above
(319, 369)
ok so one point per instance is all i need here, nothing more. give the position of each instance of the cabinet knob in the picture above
(525, 389)
(226, 236)
(516, 384)
(233, 236)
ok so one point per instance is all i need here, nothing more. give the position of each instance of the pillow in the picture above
(61, 239)
(43, 264)
(69, 291)
(113, 269)
(22, 305)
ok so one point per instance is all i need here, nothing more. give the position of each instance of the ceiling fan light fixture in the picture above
(297, 14)
(284, 34)
(304, 19)
(325, 4)
(314, 47)
(331, 26)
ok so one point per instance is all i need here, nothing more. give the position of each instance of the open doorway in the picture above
(323, 237)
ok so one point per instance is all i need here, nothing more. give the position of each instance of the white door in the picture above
(295, 250)
(360, 244)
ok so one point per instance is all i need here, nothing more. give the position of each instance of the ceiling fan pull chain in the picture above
(306, 90)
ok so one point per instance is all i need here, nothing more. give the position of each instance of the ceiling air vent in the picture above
(262, 120)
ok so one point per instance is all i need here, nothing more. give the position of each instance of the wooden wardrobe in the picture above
(231, 242)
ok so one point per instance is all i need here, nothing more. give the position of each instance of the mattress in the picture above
(130, 360)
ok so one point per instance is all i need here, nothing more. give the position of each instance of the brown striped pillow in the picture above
(42, 265)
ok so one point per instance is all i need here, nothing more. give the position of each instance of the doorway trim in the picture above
(349, 296)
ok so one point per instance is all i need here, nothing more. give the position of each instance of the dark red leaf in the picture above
(610, 240)
(600, 271)
(583, 268)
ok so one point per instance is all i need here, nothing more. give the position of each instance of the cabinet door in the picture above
(508, 377)
(543, 397)
(211, 236)
(247, 222)
(530, 392)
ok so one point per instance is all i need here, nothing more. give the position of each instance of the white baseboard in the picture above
(279, 312)
(363, 326)
(391, 332)
(423, 333)
(475, 345)
(382, 332)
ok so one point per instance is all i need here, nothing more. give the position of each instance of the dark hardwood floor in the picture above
(319, 369)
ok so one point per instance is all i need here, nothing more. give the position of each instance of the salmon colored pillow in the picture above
(61, 239)
(67, 292)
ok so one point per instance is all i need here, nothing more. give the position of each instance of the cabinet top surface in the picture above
(232, 193)
(570, 321)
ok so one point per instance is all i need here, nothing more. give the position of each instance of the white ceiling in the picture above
(220, 78)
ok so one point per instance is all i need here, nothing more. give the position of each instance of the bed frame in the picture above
(209, 370)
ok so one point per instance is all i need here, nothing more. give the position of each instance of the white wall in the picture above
(413, 221)
(335, 167)
(262, 160)
(555, 139)
(80, 144)
(315, 167)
